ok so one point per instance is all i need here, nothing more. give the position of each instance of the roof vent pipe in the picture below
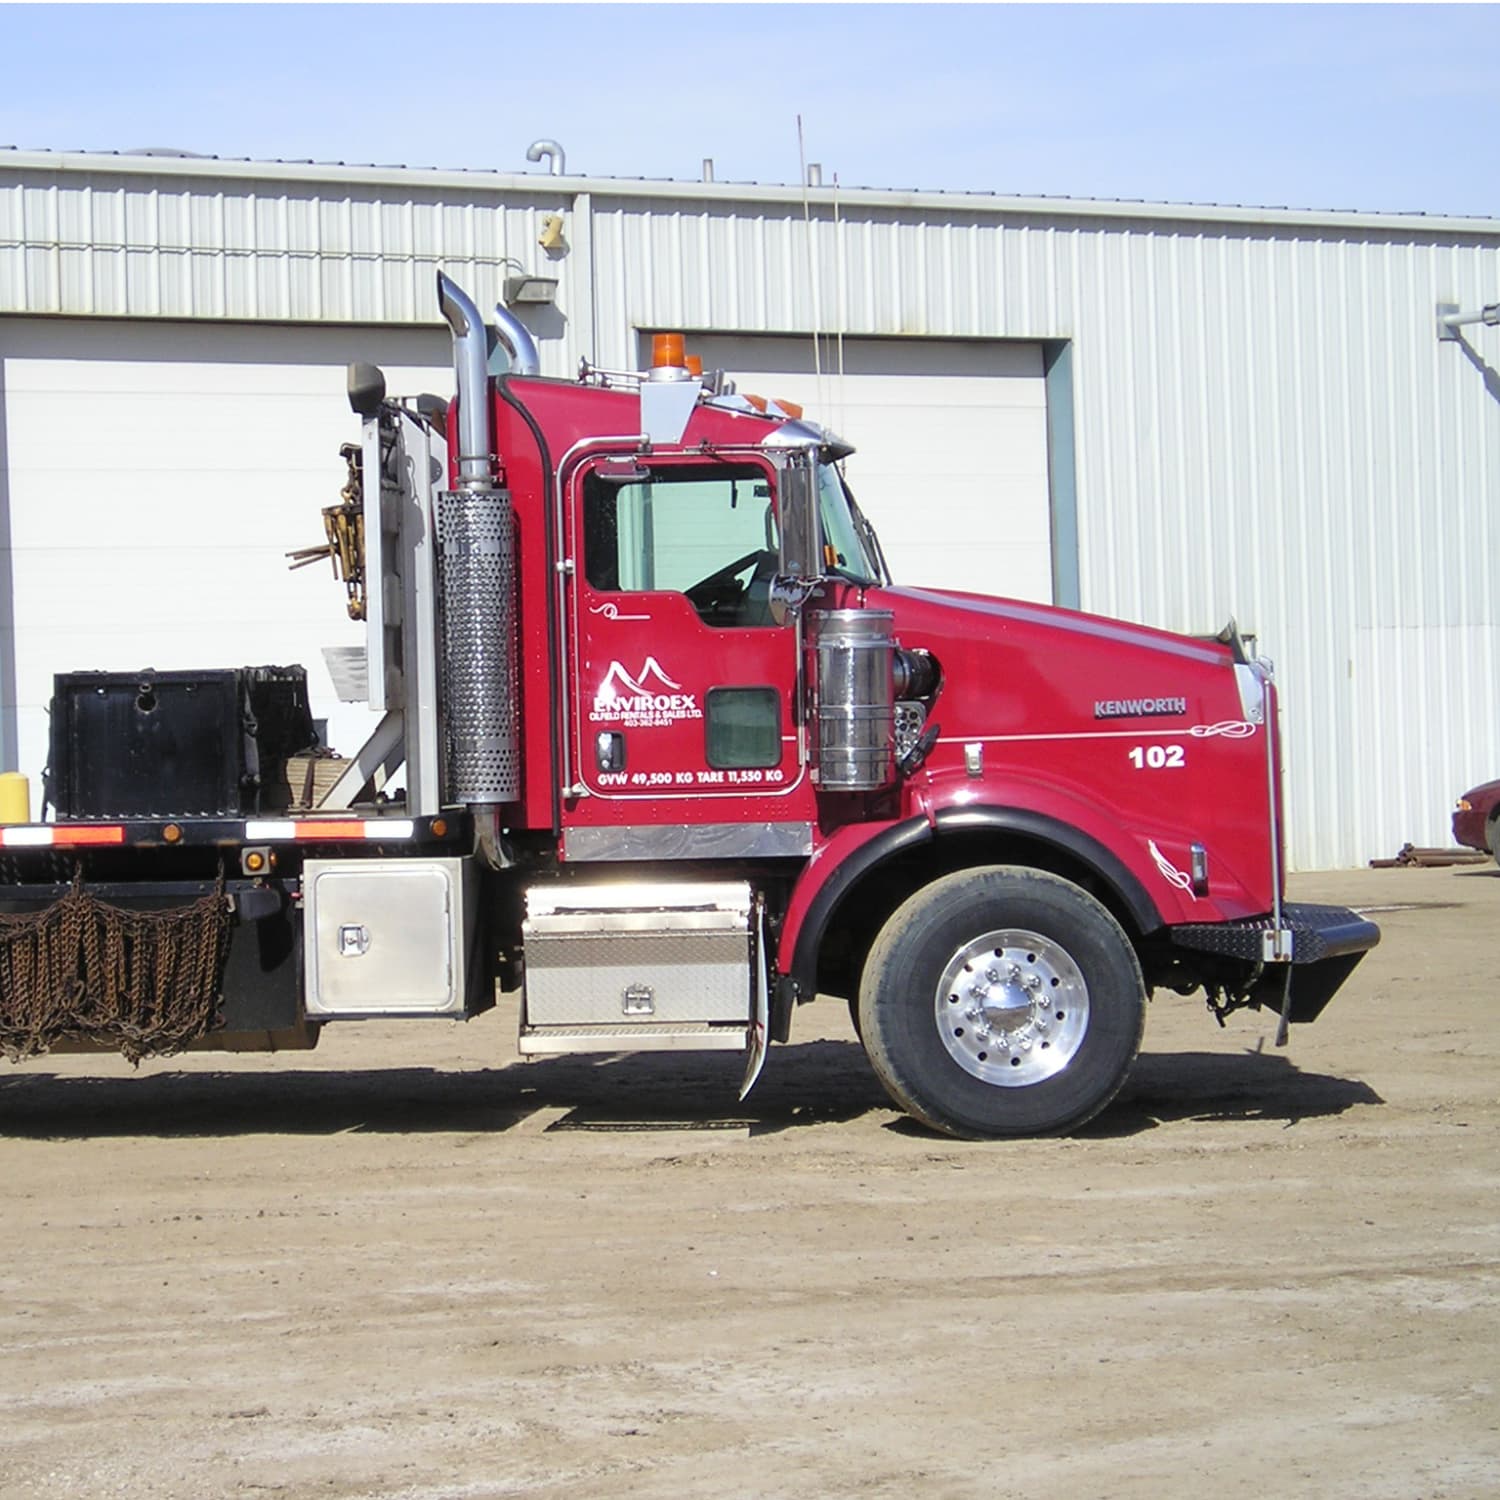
(516, 339)
(470, 367)
(557, 163)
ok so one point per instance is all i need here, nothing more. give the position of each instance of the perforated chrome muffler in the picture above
(476, 559)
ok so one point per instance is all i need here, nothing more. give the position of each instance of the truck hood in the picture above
(953, 609)
(1152, 744)
(1015, 671)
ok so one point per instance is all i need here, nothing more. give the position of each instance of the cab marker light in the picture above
(667, 352)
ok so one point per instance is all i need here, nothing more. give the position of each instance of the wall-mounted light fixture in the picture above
(530, 289)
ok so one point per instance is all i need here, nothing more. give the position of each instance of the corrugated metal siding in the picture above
(1266, 423)
(148, 246)
(1286, 437)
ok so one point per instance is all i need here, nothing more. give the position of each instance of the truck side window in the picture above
(706, 531)
(742, 727)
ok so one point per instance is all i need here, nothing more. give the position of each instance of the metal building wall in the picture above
(125, 237)
(1266, 423)
(1274, 428)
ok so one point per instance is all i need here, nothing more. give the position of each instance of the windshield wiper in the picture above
(866, 534)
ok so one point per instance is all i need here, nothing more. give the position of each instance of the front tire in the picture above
(1002, 1001)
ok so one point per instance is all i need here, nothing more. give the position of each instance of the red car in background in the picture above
(1476, 819)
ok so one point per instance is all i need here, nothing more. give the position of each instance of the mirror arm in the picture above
(787, 596)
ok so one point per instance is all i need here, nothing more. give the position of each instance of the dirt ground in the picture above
(408, 1265)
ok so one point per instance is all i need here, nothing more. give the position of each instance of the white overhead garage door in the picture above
(152, 479)
(951, 440)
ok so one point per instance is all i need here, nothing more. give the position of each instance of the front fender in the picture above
(857, 850)
(833, 871)
(1030, 824)
(1146, 863)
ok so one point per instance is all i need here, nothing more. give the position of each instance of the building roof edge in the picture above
(476, 180)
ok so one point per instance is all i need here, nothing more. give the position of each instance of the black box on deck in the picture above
(175, 744)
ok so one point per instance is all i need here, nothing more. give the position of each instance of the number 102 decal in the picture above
(1158, 757)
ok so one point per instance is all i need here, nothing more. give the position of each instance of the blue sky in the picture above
(1388, 107)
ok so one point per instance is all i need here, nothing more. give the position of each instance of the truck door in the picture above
(684, 701)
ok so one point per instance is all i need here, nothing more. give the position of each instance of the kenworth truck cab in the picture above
(679, 755)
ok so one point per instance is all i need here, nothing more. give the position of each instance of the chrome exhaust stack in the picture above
(477, 593)
(471, 368)
(516, 339)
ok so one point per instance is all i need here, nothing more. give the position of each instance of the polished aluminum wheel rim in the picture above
(1012, 1007)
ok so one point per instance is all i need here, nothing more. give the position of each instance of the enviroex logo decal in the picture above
(642, 700)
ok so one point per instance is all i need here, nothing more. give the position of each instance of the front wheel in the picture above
(1002, 1001)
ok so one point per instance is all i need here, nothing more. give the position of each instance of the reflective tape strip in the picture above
(23, 838)
(37, 837)
(115, 835)
(315, 830)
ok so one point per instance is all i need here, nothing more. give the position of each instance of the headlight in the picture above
(1464, 805)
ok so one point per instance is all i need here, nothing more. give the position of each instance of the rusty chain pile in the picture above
(145, 982)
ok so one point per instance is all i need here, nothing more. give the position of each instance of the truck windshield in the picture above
(852, 551)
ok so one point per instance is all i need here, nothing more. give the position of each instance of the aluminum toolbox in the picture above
(390, 937)
(639, 953)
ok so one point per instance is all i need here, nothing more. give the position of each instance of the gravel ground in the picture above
(409, 1265)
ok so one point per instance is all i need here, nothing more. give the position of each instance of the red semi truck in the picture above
(679, 755)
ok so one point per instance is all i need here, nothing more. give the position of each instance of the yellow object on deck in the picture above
(15, 797)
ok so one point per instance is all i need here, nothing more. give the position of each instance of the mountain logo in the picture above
(618, 683)
(642, 700)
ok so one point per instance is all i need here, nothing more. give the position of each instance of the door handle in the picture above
(609, 750)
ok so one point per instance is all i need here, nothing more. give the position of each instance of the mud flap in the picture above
(1299, 992)
(759, 1037)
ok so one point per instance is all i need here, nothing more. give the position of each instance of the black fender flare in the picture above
(900, 838)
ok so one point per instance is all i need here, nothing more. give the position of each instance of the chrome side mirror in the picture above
(800, 562)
